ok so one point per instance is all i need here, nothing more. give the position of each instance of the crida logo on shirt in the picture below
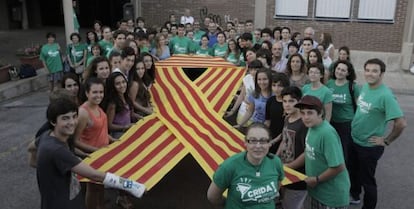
(310, 151)
(53, 53)
(364, 106)
(261, 194)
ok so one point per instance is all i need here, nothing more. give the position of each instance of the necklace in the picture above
(256, 167)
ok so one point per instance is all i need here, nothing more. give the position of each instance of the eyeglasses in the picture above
(261, 141)
(314, 72)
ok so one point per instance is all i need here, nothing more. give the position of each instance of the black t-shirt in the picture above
(293, 145)
(274, 113)
(58, 186)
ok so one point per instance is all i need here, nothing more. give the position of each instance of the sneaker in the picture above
(354, 201)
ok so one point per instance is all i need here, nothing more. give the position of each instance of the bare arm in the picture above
(247, 116)
(32, 149)
(331, 52)
(70, 61)
(44, 65)
(215, 195)
(298, 162)
(87, 171)
(275, 140)
(329, 173)
(133, 91)
(238, 102)
(85, 55)
(110, 112)
(328, 111)
(398, 127)
(267, 123)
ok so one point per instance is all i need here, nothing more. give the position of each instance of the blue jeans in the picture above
(362, 165)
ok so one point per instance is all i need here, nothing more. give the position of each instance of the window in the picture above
(377, 9)
(333, 8)
(297, 8)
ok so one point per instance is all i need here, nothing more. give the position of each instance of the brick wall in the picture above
(156, 12)
(386, 37)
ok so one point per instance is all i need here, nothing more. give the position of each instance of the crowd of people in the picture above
(299, 106)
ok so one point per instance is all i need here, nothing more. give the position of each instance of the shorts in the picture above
(55, 76)
(312, 203)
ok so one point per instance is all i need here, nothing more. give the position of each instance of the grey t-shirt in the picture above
(58, 185)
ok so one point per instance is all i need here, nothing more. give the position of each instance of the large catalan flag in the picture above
(187, 119)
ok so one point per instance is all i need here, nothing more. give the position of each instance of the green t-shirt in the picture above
(375, 107)
(342, 109)
(76, 52)
(219, 50)
(323, 150)
(50, 54)
(249, 186)
(89, 60)
(89, 48)
(144, 49)
(180, 45)
(323, 93)
(231, 57)
(201, 51)
(106, 46)
(193, 47)
(113, 49)
(197, 36)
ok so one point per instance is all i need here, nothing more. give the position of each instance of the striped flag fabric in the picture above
(187, 119)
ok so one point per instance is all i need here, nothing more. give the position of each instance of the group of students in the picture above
(335, 134)
(320, 123)
(109, 96)
(315, 115)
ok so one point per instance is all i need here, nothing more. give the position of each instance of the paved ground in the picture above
(186, 185)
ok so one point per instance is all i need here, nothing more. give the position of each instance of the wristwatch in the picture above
(386, 142)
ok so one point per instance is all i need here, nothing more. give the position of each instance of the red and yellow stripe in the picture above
(187, 119)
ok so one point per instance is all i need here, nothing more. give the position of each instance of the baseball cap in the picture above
(310, 102)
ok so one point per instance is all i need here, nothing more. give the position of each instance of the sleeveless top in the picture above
(96, 131)
(123, 117)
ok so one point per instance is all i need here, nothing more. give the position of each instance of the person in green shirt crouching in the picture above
(328, 181)
(252, 178)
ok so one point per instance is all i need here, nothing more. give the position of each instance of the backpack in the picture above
(27, 71)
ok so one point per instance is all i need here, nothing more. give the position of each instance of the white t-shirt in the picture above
(185, 20)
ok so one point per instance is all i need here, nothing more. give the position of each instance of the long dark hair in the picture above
(318, 55)
(257, 90)
(351, 71)
(143, 94)
(94, 34)
(112, 96)
(149, 76)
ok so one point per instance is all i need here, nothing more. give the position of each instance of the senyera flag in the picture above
(187, 119)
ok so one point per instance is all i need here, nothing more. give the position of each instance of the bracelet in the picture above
(317, 179)
(386, 142)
